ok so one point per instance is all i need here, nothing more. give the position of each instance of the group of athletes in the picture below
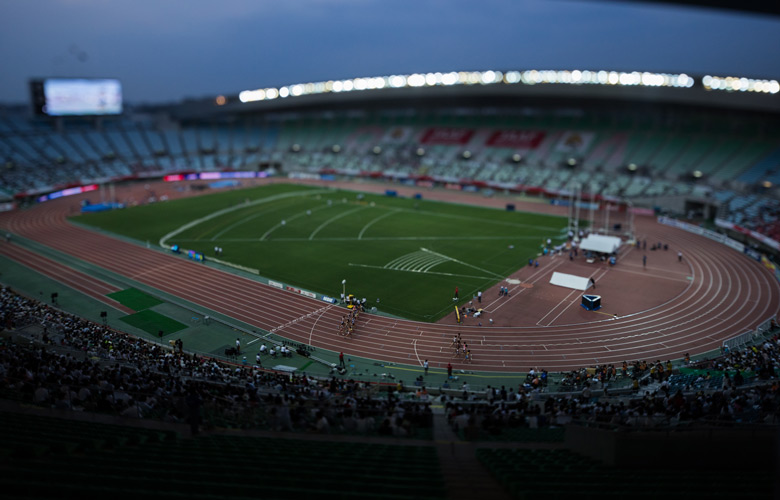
(348, 321)
(461, 349)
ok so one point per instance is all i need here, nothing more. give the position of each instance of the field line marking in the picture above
(311, 332)
(535, 276)
(556, 307)
(461, 262)
(299, 318)
(153, 270)
(219, 213)
(572, 302)
(653, 272)
(296, 216)
(487, 220)
(424, 272)
(414, 342)
(334, 218)
(385, 238)
(244, 220)
(371, 223)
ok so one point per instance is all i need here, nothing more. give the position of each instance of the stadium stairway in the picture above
(464, 476)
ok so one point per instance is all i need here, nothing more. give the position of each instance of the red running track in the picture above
(727, 295)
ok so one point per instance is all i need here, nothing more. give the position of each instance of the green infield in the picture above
(404, 255)
(152, 322)
(135, 299)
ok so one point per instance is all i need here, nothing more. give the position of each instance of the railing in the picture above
(750, 336)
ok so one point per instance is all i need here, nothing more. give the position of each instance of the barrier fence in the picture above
(748, 337)
(743, 338)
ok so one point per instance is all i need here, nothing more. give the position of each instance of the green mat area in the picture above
(135, 299)
(152, 322)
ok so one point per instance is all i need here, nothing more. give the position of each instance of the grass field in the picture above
(408, 253)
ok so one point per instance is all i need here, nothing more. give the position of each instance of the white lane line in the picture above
(572, 302)
(461, 262)
(556, 307)
(153, 270)
(333, 219)
(311, 332)
(219, 213)
(296, 216)
(299, 318)
(425, 272)
(536, 276)
(371, 223)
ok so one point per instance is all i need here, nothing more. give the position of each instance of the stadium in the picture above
(370, 286)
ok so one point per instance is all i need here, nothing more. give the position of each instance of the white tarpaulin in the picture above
(600, 243)
(570, 281)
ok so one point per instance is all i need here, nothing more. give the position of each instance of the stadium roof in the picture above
(501, 88)
(747, 6)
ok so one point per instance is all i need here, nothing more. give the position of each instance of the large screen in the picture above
(76, 96)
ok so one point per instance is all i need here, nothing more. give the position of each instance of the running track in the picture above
(728, 295)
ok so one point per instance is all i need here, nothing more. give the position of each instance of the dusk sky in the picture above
(166, 50)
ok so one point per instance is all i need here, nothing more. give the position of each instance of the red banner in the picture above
(446, 136)
(519, 139)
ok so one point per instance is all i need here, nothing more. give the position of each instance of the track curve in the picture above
(728, 294)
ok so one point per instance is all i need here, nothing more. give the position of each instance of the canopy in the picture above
(600, 243)
(570, 281)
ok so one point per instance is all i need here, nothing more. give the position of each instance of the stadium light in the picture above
(513, 77)
(741, 84)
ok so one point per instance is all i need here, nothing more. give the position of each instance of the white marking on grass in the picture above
(426, 272)
(371, 223)
(387, 238)
(419, 261)
(296, 216)
(461, 217)
(334, 218)
(219, 213)
(461, 262)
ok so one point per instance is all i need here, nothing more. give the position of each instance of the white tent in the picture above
(600, 243)
(570, 281)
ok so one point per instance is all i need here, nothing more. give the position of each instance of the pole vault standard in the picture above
(575, 199)
(592, 215)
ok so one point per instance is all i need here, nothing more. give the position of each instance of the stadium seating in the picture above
(666, 152)
(89, 458)
(562, 474)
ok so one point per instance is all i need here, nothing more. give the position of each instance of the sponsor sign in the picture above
(301, 292)
(442, 135)
(720, 238)
(517, 139)
(766, 240)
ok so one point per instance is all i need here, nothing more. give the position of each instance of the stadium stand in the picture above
(541, 473)
(663, 152)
